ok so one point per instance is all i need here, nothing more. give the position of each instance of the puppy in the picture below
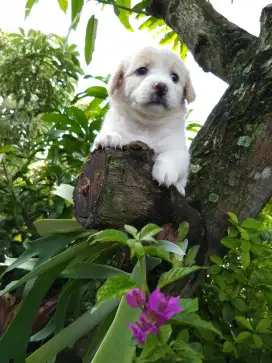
(147, 96)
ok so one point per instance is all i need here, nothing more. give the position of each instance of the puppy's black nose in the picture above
(160, 88)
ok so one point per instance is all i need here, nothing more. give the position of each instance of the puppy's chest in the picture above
(145, 135)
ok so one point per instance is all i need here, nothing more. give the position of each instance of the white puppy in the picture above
(147, 95)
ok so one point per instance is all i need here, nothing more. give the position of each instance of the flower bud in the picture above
(135, 298)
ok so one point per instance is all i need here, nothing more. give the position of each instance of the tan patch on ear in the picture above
(116, 80)
(189, 92)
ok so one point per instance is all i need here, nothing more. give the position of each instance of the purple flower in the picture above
(158, 310)
(144, 326)
(162, 307)
(135, 298)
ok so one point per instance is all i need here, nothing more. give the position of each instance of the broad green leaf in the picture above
(175, 274)
(227, 347)
(251, 223)
(97, 91)
(189, 305)
(185, 351)
(170, 247)
(47, 227)
(29, 6)
(158, 252)
(45, 248)
(165, 332)
(87, 270)
(45, 332)
(191, 255)
(110, 235)
(239, 304)
(184, 335)
(117, 342)
(75, 12)
(231, 242)
(244, 322)
(63, 4)
(233, 217)
(194, 320)
(263, 325)
(19, 330)
(183, 231)
(122, 14)
(90, 38)
(63, 257)
(114, 288)
(243, 336)
(149, 231)
(245, 259)
(69, 335)
(64, 191)
(217, 260)
(257, 340)
(131, 230)
(168, 38)
(7, 149)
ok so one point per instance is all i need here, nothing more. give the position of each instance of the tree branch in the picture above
(218, 45)
(266, 28)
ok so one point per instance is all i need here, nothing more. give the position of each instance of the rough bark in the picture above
(218, 45)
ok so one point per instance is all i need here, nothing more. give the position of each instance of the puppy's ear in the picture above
(116, 79)
(189, 92)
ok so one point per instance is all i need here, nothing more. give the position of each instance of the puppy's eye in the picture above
(142, 71)
(174, 77)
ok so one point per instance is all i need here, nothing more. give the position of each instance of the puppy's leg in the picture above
(171, 168)
(109, 135)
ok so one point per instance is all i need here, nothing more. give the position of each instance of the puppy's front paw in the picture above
(164, 172)
(112, 139)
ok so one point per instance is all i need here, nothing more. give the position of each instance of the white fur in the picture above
(131, 118)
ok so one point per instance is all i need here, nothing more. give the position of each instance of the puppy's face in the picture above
(154, 82)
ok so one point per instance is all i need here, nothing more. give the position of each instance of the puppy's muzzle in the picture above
(160, 89)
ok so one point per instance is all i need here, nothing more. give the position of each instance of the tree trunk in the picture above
(231, 157)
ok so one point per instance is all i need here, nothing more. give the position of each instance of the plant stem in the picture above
(143, 274)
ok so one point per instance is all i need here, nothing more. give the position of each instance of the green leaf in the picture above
(263, 325)
(251, 223)
(7, 149)
(170, 247)
(183, 231)
(63, 257)
(29, 6)
(244, 322)
(231, 242)
(192, 319)
(189, 305)
(227, 347)
(257, 340)
(122, 14)
(168, 38)
(87, 270)
(45, 248)
(184, 335)
(75, 12)
(191, 255)
(69, 335)
(19, 330)
(217, 260)
(149, 231)
(245, 259)
(131, 230)
(117, 343)
(175, 274)
(50, 226)
(64, 191)
(239, 304)
(115, 287)
(63, 4)
(45, 332)
(110, 235)
(233, 217)
(90, 38)
(243, 336)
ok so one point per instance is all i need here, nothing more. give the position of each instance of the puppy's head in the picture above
(154, 82)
